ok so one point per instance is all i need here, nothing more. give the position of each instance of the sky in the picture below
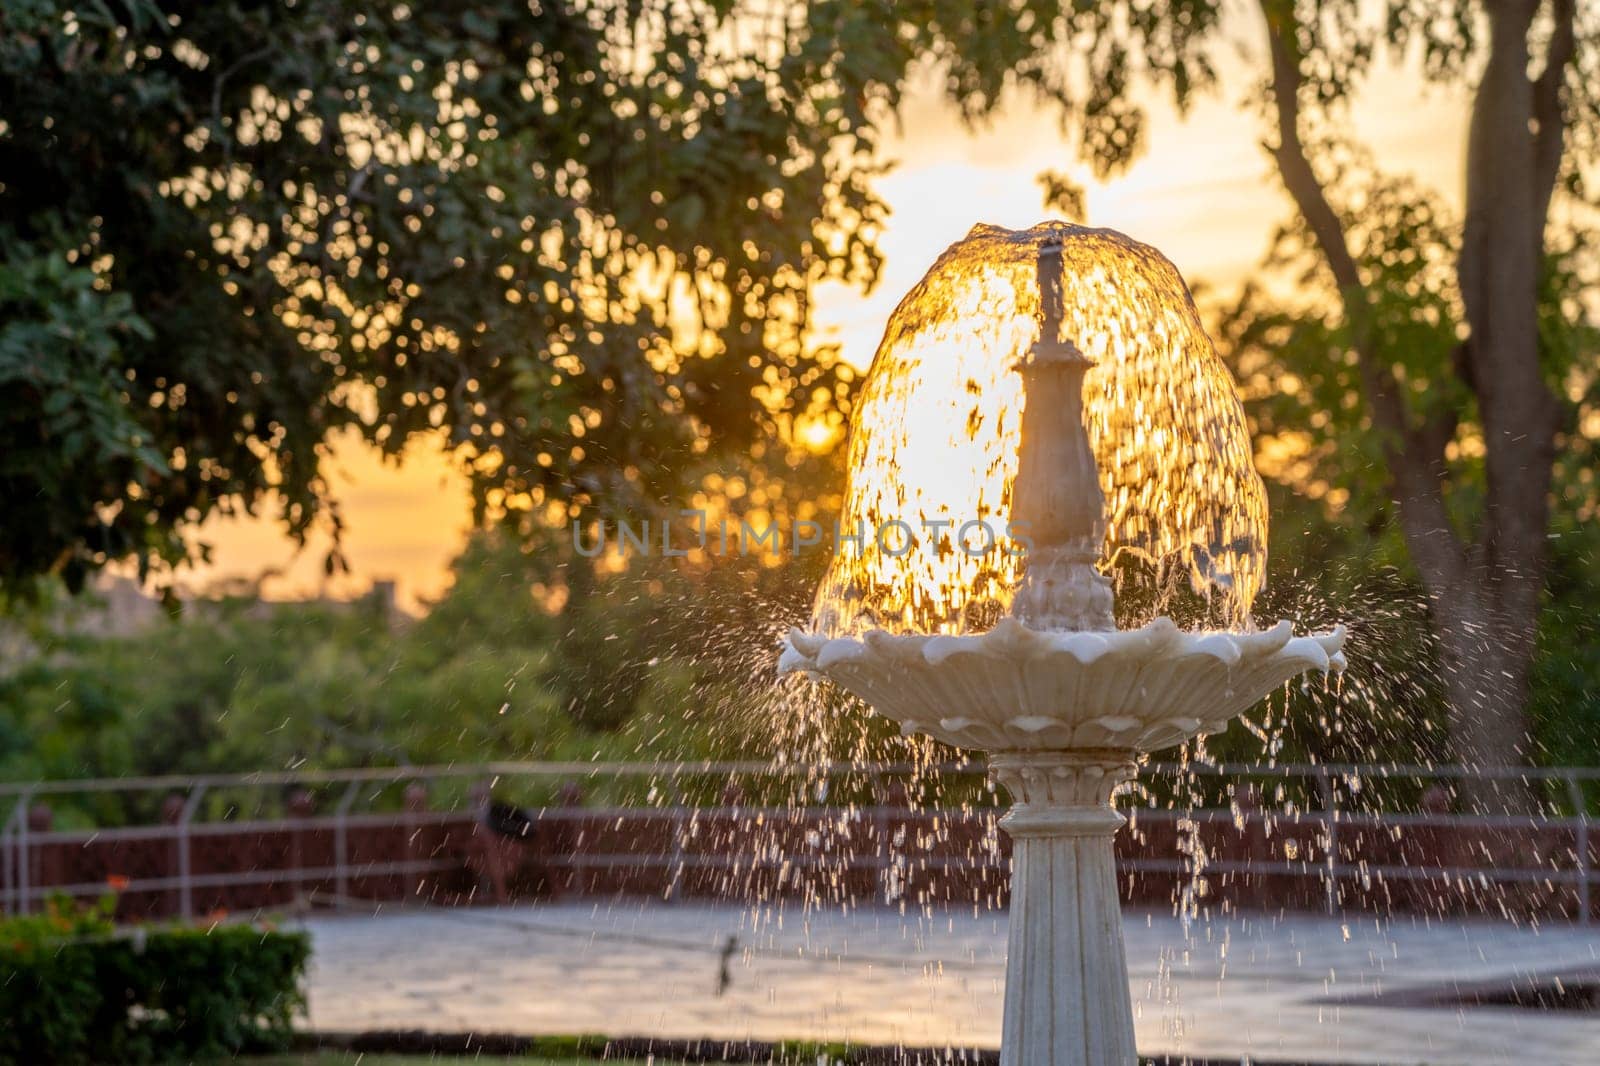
(1204, 192)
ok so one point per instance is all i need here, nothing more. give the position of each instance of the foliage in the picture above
(1337, 524)
(578, 241)
(230, 228)
(662, 660)
(240, 226)
(61, 345)
(1429, 376)
(1301, 383)
(73, 991)
(1566, 675)
(1399, 299)
(1085, 61)
(48, 990)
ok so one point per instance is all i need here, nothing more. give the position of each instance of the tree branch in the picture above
(1294, 164)
(1415, 458)
(1549, 108)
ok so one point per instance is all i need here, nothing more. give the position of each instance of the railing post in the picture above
(341, 876)
(299, 806)
(676, 862)
(894, 806)
(571, 799)
(1330, 818)
(1580, 810)
(8, 834)
(24, 856)
(185, 860)
(880, 832)
(1253, 840)
(44, 873)
(171, 815)
(416, 804)
(726, 828)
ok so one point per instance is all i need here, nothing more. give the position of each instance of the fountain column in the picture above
(1067, 1000)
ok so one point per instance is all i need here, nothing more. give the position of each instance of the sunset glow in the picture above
(1211, 212)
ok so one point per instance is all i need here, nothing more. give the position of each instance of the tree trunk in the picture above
(1488, 621)
(1487, 655)
(1486, 593)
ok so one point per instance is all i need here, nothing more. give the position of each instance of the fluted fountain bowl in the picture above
(1014, 688)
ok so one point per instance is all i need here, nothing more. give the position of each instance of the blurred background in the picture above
(330, 329)
(322, 322)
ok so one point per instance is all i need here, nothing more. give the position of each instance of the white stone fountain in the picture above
(1063, 701)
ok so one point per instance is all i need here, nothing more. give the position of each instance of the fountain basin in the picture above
(1064, 716)
(1014, 688)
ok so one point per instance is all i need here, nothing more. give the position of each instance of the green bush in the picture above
(74, 990)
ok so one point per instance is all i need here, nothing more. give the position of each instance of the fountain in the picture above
(1059, 378)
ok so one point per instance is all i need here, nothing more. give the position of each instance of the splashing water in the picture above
(934, 437)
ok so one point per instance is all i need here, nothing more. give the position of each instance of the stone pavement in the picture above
(1294, 988)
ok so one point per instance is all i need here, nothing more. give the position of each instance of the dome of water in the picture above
(935, 437)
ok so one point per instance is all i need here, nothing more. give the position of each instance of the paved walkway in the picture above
(1294, 989)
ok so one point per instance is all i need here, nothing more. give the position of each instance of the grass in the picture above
(576, 1050)
(349, 1058)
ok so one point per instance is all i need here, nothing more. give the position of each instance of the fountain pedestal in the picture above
(1063, 714)
(1067, 996)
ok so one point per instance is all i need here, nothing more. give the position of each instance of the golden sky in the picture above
(1204, 193)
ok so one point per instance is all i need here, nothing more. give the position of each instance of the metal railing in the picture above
(21, 837)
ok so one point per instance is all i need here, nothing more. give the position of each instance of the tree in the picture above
(1511, 379)
(1485, 577)
(492, 672)
(578, 239)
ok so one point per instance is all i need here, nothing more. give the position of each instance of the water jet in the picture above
(1057, 379)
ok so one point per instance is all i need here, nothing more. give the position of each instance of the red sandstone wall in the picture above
(874, 854)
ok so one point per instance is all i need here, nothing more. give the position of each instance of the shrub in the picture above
(74, 990)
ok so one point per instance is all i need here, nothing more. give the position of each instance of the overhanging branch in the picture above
(1295, 165)
(1549, 108)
